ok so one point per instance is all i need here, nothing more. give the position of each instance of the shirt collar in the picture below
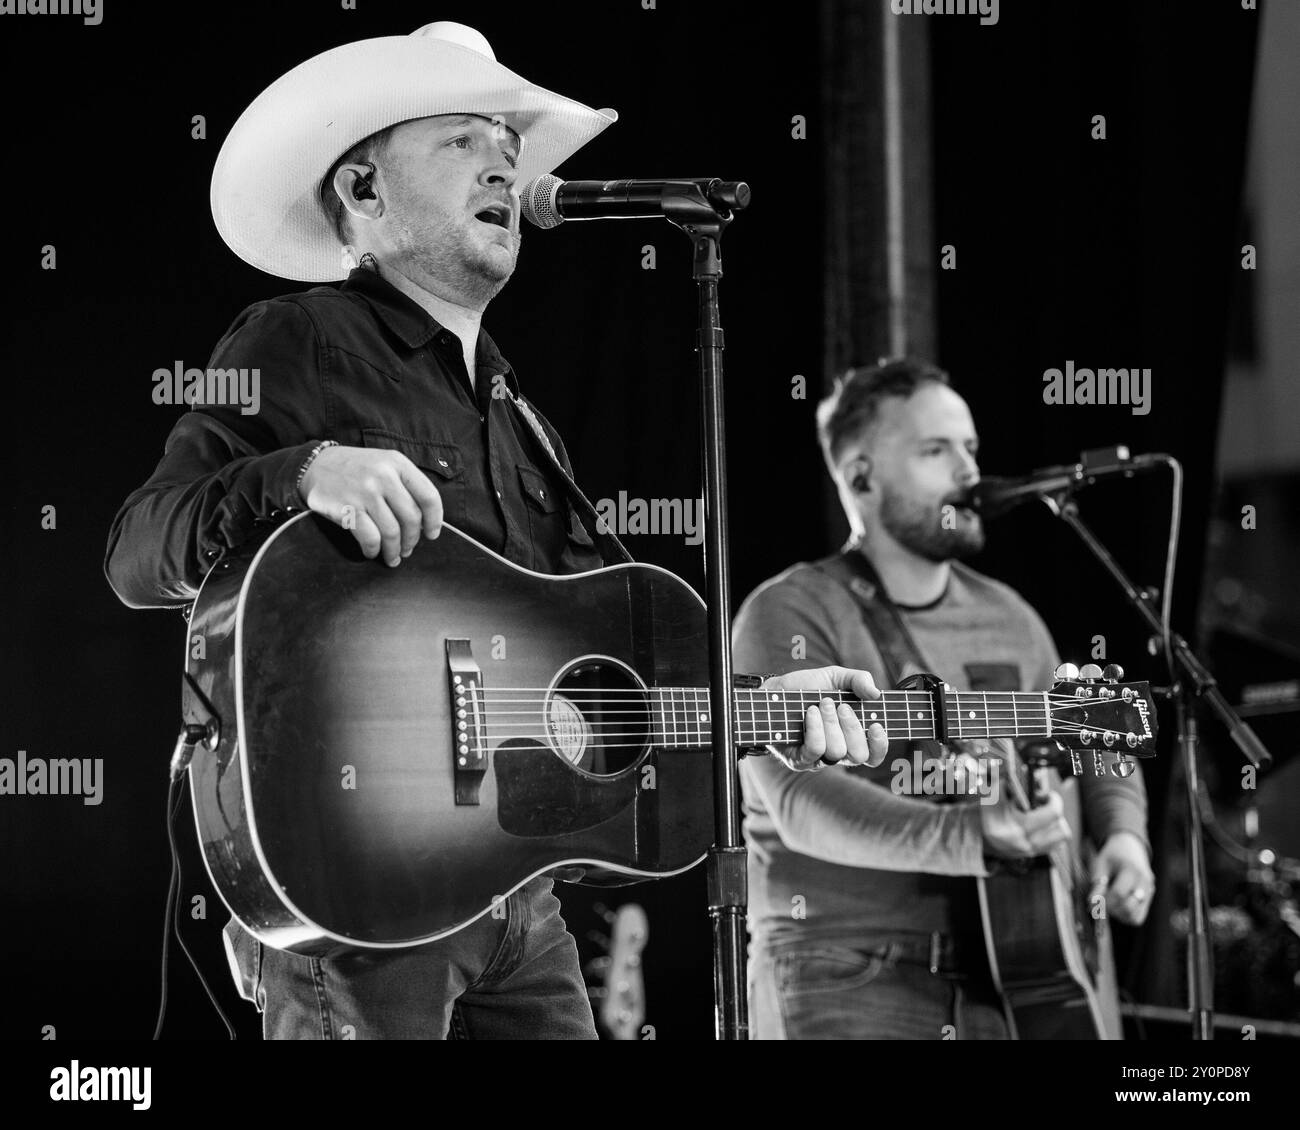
(402, 315)
(414, 325)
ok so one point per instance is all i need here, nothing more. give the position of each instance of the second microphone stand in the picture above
(1188, 670)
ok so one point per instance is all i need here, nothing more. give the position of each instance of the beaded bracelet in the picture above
(315, 451)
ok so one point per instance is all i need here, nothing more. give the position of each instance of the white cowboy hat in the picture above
(265, 186)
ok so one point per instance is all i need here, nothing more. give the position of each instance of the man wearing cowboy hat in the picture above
(386, 408)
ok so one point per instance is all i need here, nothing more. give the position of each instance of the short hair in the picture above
(854, 404)
(367, 149)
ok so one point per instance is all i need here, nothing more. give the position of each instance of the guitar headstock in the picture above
(1094, 712)
(620, 999)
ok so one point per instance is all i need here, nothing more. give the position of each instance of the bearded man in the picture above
(863, 913)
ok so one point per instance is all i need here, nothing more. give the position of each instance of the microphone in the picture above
(994, 496)
(547, 201)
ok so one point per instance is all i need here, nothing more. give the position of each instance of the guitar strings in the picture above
(641, 741)
(541, 695)
(954, 723)
(1016, 722)
(897, 735)
(889, 696)
(630, 706)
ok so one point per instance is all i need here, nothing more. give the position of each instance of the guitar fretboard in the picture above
(681, 715)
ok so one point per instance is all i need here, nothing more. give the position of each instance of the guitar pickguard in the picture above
(539, 795)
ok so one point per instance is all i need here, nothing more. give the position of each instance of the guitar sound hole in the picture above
(598, 716)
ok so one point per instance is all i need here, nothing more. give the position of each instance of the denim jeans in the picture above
(515, 977)
(851, 989)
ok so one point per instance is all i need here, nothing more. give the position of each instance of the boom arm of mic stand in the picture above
(1062, 504)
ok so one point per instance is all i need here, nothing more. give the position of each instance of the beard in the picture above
(445, 247)
(920, 527)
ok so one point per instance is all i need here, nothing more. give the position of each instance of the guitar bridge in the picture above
(468, 737)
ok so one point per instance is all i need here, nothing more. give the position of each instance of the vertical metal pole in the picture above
(1200, 955)
(895, 214)
(728, 892)
(881, 261)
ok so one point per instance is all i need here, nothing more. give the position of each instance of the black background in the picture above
(1111, 253)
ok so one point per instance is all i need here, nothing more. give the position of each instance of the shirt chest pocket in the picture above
(538, 491)
(547, 517)
(443, 463)
(560, 542)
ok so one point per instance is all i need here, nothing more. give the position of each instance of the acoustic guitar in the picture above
(392, 752)
(1047, 936)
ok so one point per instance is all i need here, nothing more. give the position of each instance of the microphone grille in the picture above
(537, 201)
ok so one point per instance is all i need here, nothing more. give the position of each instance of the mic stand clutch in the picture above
(1200, 969)
(690, 207)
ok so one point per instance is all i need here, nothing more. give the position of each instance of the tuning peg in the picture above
(1065, 672)
(1098, 763)
(1113, 673)
(1123, 766)
(1091, 672)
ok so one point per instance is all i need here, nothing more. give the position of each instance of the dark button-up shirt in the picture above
(366, 366)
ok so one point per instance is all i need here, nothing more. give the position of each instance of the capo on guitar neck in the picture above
(935, 688)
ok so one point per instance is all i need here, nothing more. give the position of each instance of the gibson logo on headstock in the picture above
(1141, 705)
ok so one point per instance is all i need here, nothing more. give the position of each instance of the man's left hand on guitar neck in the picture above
(1121, 871)
(831, 734)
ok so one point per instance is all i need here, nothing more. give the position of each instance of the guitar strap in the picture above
(895, 643)
(612, 551)
(898, 650)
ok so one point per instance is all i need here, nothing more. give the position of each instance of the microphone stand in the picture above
(686, 205)
(1189, 669)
